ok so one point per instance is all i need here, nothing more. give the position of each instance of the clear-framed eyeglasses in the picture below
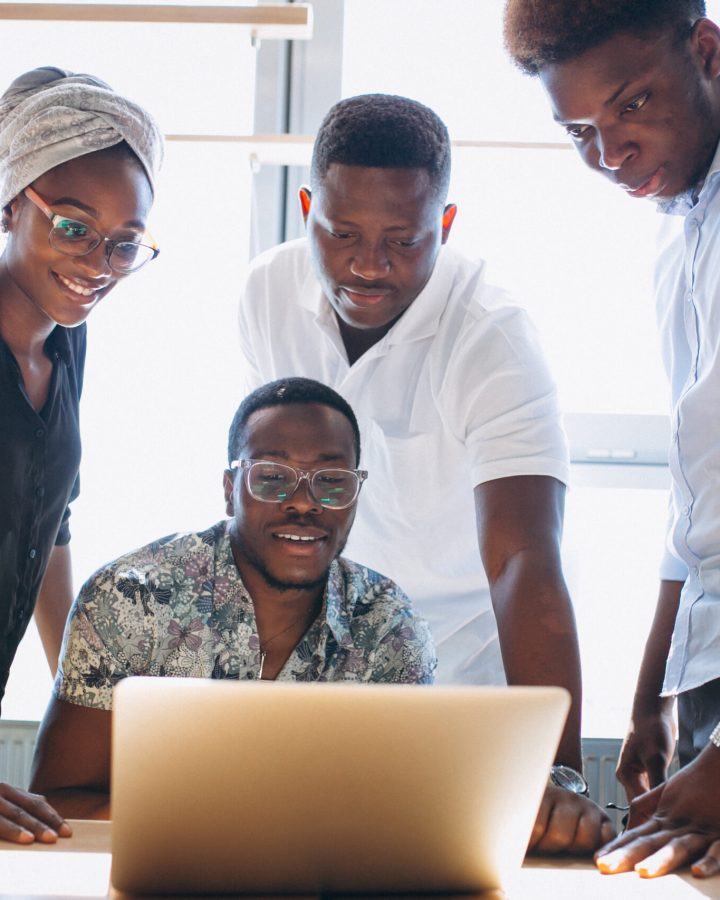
(74, 238)
(274, 482)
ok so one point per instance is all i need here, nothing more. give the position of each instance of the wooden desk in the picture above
(79, 867)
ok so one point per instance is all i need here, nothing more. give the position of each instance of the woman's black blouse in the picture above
(39, 462)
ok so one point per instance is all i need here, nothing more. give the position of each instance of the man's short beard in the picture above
(279, 585)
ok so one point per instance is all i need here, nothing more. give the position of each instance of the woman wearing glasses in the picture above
(77, 168)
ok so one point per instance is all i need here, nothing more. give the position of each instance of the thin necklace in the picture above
(265, 644)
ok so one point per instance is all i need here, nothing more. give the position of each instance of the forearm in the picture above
(53, 603)
(538, 637)
(71, 764)
(657, 648)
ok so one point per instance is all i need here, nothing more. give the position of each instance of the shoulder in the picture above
(474, 302)
(155, 572)
(291, 259)
(356, 581)
(374, 620)
(482, 326)
(366, 594)
(276, 284)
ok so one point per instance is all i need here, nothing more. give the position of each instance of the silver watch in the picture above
(569, 779)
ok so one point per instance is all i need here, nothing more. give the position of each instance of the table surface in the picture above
(79, 867)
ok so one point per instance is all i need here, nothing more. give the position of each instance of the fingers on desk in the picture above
(26, 817)
(709, 864)
(652, 852)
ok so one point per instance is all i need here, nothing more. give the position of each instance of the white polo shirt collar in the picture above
(419, 321)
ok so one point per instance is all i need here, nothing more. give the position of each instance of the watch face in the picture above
(568, 778)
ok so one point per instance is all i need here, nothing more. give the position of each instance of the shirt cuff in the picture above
(672, 568)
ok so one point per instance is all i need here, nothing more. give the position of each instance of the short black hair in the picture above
(284, 392)
(386, 132)
(540, 32)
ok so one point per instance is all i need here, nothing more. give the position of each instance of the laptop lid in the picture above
(270, 787)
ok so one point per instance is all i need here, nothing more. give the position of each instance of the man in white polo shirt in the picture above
(456, 406)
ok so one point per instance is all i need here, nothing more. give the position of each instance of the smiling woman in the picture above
(77, 168)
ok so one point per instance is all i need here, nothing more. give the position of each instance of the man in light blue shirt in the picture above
(636, 86)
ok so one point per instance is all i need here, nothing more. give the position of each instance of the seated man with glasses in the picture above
(264, 594)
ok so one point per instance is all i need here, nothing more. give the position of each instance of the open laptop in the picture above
(269, 787)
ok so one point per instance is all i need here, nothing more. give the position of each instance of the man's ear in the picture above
(305, 197)
(448, 218)
(706, 41)
(228, 485)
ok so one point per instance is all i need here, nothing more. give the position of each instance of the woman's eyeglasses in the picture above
(74, 238)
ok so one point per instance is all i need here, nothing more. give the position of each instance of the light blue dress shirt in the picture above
(688, 309)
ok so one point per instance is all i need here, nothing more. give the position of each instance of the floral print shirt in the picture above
(178, 607)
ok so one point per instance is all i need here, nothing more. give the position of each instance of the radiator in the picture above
(600, 756)
(17, 742)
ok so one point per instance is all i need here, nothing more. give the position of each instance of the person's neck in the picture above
(289, 614)
(277, 607)
(358, 341)
(281, 620)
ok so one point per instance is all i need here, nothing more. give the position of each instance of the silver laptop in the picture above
(268, 787)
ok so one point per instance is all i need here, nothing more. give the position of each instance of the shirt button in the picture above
(689, 296)
(33, 553)
(40, 433)
(695, 570)
(686, 510)
(39, 491)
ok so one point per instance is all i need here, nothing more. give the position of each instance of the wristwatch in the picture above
(569, 779)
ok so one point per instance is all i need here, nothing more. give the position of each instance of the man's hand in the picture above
(26, 817)
(569, 823)
(672, 825)
(647, 751)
